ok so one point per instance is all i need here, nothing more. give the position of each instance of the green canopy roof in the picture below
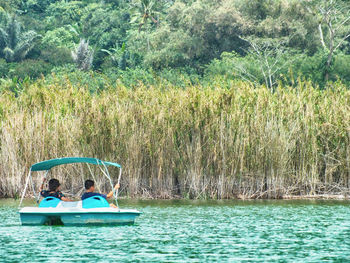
(47, 165)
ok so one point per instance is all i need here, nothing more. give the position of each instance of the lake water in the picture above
(190, 231)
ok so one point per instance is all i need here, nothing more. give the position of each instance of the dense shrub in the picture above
(341, 68)
(30, 69)
(57, 56)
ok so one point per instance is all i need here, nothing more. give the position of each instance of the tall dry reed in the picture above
(227, 140)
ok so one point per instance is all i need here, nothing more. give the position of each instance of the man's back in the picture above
(91, 194)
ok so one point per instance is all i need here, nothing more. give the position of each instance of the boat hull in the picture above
(50, 216)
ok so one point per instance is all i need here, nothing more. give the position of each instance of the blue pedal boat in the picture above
(91, 211)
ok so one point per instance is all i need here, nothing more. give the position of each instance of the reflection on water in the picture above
(190, 231)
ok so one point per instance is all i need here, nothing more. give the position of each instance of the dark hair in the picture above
(88, 184)
(53, 184)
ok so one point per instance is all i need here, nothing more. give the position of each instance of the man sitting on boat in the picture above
(54, 190)
(90, 188)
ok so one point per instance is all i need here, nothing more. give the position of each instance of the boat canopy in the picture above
(48, 164)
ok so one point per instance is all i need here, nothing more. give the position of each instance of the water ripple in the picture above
(190, 232)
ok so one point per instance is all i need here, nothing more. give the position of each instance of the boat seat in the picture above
(94, 202)
(49, 201)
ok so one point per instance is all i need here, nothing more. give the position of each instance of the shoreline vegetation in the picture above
(224, 140)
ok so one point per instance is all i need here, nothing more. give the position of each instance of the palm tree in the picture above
(15, 44)
(143, 10)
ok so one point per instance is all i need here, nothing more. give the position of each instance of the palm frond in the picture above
(25, 45)
(14, 44)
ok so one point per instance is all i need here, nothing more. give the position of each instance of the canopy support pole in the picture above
(106, 173)
(25, 188)
(33, 188)
(38, 195)
(116, 195)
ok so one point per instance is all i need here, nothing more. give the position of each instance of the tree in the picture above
(269, 58)
(83, 55)
(15, 44)
(192, 34)
(333, 26)
(278, 19)
(61, 37)
(143, 11)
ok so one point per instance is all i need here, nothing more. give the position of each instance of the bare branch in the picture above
(341, 42)
(321, 36)
(289, 61)
(342, 23)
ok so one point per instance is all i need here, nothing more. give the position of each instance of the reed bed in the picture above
(229, 140)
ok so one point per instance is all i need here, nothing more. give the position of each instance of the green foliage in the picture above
(118, 55)
(144, 11)
(4, 68)
(279, 19)
(15, 44)
(340, 68)
(38, 6)
(104, 26)
(30, 69)
(248, 68)
(65, 36)
(89, 80)
(9, 5)
(164, 37)
(171, 49)
(194, 34)
(56, 56)
(311, 68)
(334, 28)
(257, 10)
(61, 13)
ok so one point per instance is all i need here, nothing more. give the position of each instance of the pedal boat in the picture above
(91, 211)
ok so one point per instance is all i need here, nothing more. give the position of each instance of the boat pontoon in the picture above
(91, 211)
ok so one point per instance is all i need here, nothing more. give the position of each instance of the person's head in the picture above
(54, 184)
(89, 185)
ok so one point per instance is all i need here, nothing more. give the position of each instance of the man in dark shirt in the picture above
(90, 188)
(54, 190)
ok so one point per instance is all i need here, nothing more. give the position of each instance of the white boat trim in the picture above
(55, 210)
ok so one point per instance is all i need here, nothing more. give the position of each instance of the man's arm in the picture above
(110, 194)
(66, 199)
(63, 198)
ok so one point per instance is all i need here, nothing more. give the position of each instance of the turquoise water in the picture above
(189, 231)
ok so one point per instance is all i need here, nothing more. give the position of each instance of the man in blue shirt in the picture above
(90, 188)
